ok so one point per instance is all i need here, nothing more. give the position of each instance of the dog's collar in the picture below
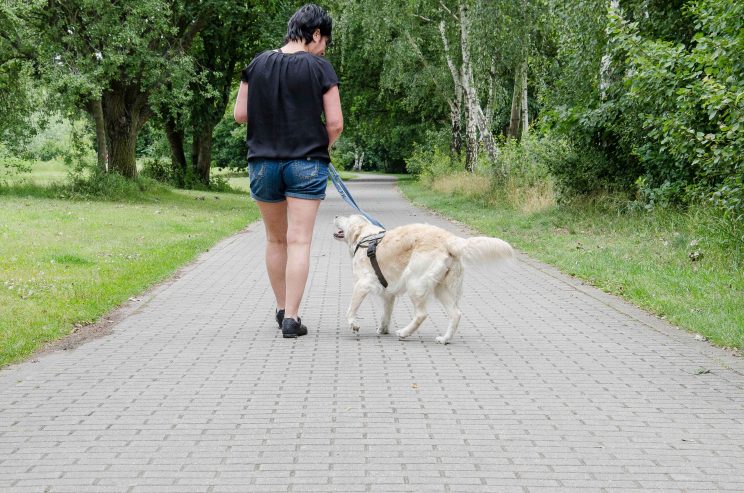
(370, 242)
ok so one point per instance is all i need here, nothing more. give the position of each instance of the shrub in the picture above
(11, 167)
(228, 145)
(578, 169)
(158, 169)
(431, 162)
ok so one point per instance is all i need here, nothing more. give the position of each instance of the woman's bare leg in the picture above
(301, 215)
(274, 216)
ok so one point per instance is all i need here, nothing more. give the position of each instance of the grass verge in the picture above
(67, 262)
(667, 262)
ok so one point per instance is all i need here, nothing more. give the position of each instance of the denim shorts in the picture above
(273, 180)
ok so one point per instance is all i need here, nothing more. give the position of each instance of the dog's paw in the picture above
(402, 334)
(382, 331)
(442, 340)
(354, 327)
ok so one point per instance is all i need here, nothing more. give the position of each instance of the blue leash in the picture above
(346, 195)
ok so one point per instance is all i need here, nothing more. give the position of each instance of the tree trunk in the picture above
(195, 145)
(95, 108)
(471, 101)
(204, 155)
(471, 141)
(358, 159)
(456, 127)
(122, 154)
(491, 90)
(178, 154)
(513, 130)
(455, 103)
(122, 123)
(518, 121)
(524, 124)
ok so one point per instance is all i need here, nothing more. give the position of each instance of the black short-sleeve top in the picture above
(285, 104)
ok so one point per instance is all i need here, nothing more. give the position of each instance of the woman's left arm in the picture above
(240, 112)
(333, 116)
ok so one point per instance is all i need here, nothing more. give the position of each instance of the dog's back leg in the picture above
(424, 275)
(420, 314)
(448, 292)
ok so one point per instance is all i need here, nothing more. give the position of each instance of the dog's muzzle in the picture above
(339, 235)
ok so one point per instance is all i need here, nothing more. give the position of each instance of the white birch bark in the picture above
(471, 101)
(455, 104)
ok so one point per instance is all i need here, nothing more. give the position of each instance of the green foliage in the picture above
(11, 167)
(228, 147)
(527, 162)
(430, 162)
(687, 102)
(158, 169)
(18, 96)
(579, 168)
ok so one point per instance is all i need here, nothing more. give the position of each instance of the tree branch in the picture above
(422, 17)
(441, 4)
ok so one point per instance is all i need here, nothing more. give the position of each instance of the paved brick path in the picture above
(548, 386)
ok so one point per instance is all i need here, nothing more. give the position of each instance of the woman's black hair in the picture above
(305, 21)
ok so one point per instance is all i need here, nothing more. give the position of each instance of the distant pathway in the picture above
(549, 385)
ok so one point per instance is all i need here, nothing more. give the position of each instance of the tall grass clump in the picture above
(519, 177)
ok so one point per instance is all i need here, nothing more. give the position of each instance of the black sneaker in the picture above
(292, 328)
(280, 317)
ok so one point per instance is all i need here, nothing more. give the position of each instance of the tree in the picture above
(107, 58)
(17, 94)
(236, 30)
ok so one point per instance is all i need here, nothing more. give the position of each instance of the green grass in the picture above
(643, 257)
(65, 262)
(44, 173)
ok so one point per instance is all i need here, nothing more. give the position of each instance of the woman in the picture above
(282, 96)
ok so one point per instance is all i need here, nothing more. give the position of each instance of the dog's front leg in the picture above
(387, 313)
(361, 289)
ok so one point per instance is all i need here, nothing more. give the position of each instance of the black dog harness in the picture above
(371, 242)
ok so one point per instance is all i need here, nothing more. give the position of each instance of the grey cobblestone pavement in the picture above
(548, 386)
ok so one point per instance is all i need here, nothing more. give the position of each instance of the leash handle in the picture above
(346, 195)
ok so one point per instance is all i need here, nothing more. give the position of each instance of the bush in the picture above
(159, 169)
(525, 162)
(228, 145)
(431, 162)
(678, 108)
(11, 167)
(578, 169)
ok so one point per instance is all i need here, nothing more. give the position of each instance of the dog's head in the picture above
(349, 228)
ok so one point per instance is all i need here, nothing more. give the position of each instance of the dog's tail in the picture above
(480, 248)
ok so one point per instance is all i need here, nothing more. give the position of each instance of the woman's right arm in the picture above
(240, 112)
(333, 116)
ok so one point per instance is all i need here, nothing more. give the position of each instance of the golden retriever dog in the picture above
(416, 259)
